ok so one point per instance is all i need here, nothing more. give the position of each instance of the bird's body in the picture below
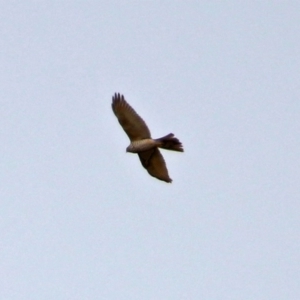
(141, 141)
(141, 145)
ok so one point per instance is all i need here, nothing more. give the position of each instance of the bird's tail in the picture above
(170, 142)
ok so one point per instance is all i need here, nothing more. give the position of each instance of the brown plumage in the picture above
(141, 141)
(170, 142)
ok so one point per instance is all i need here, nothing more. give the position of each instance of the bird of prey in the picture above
(141, 141)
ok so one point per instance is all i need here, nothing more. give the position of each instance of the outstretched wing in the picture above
(154, 163)
(132, 123)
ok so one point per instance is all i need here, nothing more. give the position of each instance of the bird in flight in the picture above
(141, 142)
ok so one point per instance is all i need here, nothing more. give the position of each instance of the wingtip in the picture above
(117, 97)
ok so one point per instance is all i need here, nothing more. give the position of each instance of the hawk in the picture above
(141, 142)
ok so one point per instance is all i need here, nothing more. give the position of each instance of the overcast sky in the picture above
(81, 219)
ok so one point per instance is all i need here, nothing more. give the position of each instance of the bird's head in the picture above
(130, 149)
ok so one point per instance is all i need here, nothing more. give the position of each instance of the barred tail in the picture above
(170, 142)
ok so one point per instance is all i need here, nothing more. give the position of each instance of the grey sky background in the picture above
(81, 219)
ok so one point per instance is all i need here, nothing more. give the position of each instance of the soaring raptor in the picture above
(141, 141)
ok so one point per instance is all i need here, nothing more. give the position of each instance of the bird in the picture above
(141, 142)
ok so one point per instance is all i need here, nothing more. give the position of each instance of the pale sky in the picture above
(81, 219)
